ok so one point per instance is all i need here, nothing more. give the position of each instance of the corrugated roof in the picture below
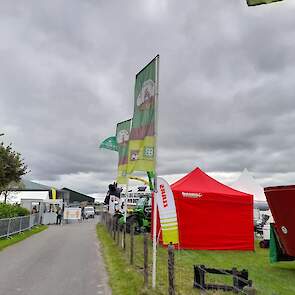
(28, 185)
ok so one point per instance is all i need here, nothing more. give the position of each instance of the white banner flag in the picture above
(167, 211)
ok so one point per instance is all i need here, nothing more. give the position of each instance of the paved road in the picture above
(63, 260)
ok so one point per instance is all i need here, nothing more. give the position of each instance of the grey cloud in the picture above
(226, 85)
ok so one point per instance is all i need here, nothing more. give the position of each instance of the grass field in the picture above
(268, 279)
(19, 237)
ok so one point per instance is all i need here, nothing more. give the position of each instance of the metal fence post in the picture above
(171, 279)
(29, 224)
(8, 227)
(32, 220)
(20, 224)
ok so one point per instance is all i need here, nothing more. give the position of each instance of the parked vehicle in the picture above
(141, 215)
(89, 212)
(262, 229)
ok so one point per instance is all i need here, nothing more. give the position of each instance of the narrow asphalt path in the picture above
(62, 260)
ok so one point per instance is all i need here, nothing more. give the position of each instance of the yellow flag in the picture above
(53, 193)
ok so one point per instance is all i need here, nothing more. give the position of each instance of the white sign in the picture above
(192, 195)
(167, 211)
(72, 213)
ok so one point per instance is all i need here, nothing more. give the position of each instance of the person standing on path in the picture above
(59, 215)
(83, 213)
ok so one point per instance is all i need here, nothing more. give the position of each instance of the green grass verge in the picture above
(123, 278)
(19, 237)
(268, 279)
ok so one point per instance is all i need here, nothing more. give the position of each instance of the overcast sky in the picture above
(226, 86)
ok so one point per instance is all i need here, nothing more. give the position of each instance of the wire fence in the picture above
(175, 267)
(11, 226)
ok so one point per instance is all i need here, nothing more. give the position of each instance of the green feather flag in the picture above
(110, 144)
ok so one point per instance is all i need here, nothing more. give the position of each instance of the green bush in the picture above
(7, 211)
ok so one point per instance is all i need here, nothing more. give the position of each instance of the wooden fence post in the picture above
(124, 237)
(250, 290)
(145, 260)
(131, 244)
(114, 228)
(109, 223)
(171, 278)
(118, 232)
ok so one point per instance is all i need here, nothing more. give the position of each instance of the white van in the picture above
(89, 212)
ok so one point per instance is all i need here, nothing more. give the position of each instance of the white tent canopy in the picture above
(246, 183)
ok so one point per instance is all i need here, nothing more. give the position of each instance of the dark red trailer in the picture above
(281, 201)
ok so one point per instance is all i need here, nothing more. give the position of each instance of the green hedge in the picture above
(7, 211)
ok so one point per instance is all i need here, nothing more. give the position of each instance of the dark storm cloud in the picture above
(226, 85)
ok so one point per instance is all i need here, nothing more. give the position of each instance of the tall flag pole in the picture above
(142, 142)
(155, 188)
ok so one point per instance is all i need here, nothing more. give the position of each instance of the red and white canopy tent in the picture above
(211, 215)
